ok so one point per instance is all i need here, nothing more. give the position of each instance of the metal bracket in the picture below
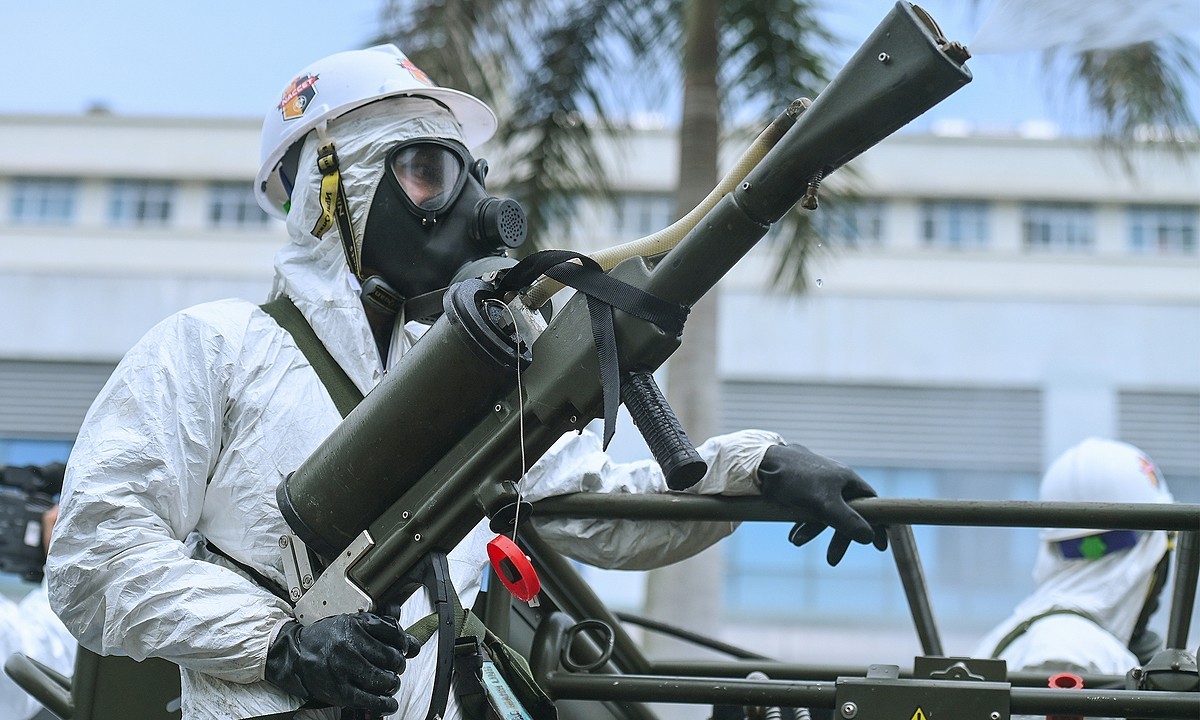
(334, 593)
(960, 668)
(296, 566)
(883, 697)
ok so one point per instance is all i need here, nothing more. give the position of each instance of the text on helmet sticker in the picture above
(297, 96)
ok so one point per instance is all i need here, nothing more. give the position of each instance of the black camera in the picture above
(26, 493)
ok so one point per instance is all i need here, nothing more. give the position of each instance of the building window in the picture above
(1058, 227)
(851, 223)
(43, 201)
(954, 224)
(1163, 229)
(141, 202)
(638, 215)
(28, 451)
(232, 205)
(767, 578)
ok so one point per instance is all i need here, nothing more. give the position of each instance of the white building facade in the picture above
(984, 304)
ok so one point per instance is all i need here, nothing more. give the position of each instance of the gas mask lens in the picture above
(429, 174)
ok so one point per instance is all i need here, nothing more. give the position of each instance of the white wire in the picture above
(520, 415)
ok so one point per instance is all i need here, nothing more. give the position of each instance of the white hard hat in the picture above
(340, 83)
(1099, 470)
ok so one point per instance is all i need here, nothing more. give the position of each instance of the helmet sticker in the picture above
(297, 96)
(1150, 470)
(416, 72)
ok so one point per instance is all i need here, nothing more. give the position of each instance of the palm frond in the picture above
(773, 52)
(1139, 91)
(443, 38)
(801, 234)
(559, 110)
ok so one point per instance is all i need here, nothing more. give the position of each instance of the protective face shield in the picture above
(431, 216)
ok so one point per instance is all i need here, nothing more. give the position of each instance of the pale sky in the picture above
(233, 57)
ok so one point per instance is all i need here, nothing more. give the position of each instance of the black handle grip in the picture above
(681, 464)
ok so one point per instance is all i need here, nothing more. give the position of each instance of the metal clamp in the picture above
(334, 593)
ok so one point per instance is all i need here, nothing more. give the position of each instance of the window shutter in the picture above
(47, 399)
(889, 426)
(1166, 426)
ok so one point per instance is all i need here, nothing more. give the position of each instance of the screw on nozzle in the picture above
(809, 201)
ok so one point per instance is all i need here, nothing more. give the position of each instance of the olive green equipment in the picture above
(440, 443)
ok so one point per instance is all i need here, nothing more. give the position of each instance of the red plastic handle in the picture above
(513, 568)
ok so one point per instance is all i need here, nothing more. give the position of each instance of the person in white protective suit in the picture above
(216, 405)
(1096, 590)
(30, 628)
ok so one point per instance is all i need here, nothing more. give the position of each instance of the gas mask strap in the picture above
(333, 205)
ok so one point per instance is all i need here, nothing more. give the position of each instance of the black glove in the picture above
(793, 475)
(348, 661)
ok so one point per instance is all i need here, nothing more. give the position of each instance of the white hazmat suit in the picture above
(211, 410)
(1109, 591)
(29, 627)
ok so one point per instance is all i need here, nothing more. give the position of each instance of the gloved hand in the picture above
(794, 475)
(349, 661)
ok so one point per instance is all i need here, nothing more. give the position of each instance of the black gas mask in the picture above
(431, 216)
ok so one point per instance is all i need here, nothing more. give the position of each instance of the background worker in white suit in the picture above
(1096, 590)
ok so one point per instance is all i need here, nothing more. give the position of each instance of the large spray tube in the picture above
(438, 445)
(904, 68)
(433, 397)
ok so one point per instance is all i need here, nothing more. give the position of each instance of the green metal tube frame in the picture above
(886, 511)
(793, 685)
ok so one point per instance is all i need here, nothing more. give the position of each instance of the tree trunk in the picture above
(689, 593)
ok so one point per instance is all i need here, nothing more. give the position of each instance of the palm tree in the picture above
(560, 71)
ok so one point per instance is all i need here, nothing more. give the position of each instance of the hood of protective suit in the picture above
(312, 270)
(1111, 589)
(1109, 592)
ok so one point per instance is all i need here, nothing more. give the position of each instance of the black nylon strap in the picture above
(266, 582)
(603, 293)
(341, 388)
(589, 278)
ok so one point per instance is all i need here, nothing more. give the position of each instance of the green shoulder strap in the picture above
(341, 388)
(465, 623)
(1021, 629)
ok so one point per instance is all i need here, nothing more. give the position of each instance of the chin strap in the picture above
(333, 206)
